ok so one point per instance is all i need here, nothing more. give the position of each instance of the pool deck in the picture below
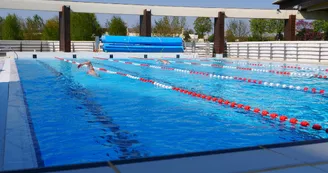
(17, 151)
(16, 147)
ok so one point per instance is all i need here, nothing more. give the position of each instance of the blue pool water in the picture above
(78, 118)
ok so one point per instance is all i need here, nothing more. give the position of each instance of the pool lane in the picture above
(151, 80)
(265, 83)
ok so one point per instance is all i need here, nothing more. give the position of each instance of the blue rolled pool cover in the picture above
(138, 40)
(141, 48)
(141, 44)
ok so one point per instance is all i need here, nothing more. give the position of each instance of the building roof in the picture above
(303, 5)
(156, 10)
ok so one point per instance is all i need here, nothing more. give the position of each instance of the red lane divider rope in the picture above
(220, 101)
(214, 76)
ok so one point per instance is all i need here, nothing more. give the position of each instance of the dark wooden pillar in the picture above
(140, 24)
(60, 26)
(290, 28)
(145, 23)
(65, 29)
(219, 33)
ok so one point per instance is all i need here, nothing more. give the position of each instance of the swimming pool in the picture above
(77, 118)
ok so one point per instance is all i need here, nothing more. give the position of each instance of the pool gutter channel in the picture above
(117, 163)
(4, 92)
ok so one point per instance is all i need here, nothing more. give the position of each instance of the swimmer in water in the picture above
(164, 61)
(91, 70)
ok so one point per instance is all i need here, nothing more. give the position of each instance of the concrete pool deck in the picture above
(17, 149)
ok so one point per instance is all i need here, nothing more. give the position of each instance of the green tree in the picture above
(202, 25)
(321, 26)
(230, 36)
(167, 26)
(211, 38)
(238, 29)
(51, 29)
(276, 27)
(136, 28)
(163, 27)
(186, 34)
(258, 28)
(177, 24)
(84, 26)
(1, 23)
(116, 26)
(33, 28)
(11, 28)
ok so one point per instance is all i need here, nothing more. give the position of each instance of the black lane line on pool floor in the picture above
(96, 110)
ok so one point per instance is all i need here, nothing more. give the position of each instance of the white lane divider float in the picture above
(122, 74)
(295, 67)
(284, 73)
(224, 77)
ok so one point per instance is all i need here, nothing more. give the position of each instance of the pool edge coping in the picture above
(166, 157)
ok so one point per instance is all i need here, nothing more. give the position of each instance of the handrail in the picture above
(9, 47)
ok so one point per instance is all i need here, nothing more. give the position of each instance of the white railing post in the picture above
(247, 50)
(285, 53)
(296, 51)
(271, 51)
(258, 51)
(320, 50)
(73, 46)
(229, 53)
(237, 50)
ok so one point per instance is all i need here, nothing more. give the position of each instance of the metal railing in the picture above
(8, 49)
(45, 46)
(202, 49)
(282, 50)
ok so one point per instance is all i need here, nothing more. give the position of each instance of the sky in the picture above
(131, 20)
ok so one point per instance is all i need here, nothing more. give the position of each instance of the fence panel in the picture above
(315, 51)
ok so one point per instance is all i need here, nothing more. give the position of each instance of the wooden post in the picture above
(219, 33)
